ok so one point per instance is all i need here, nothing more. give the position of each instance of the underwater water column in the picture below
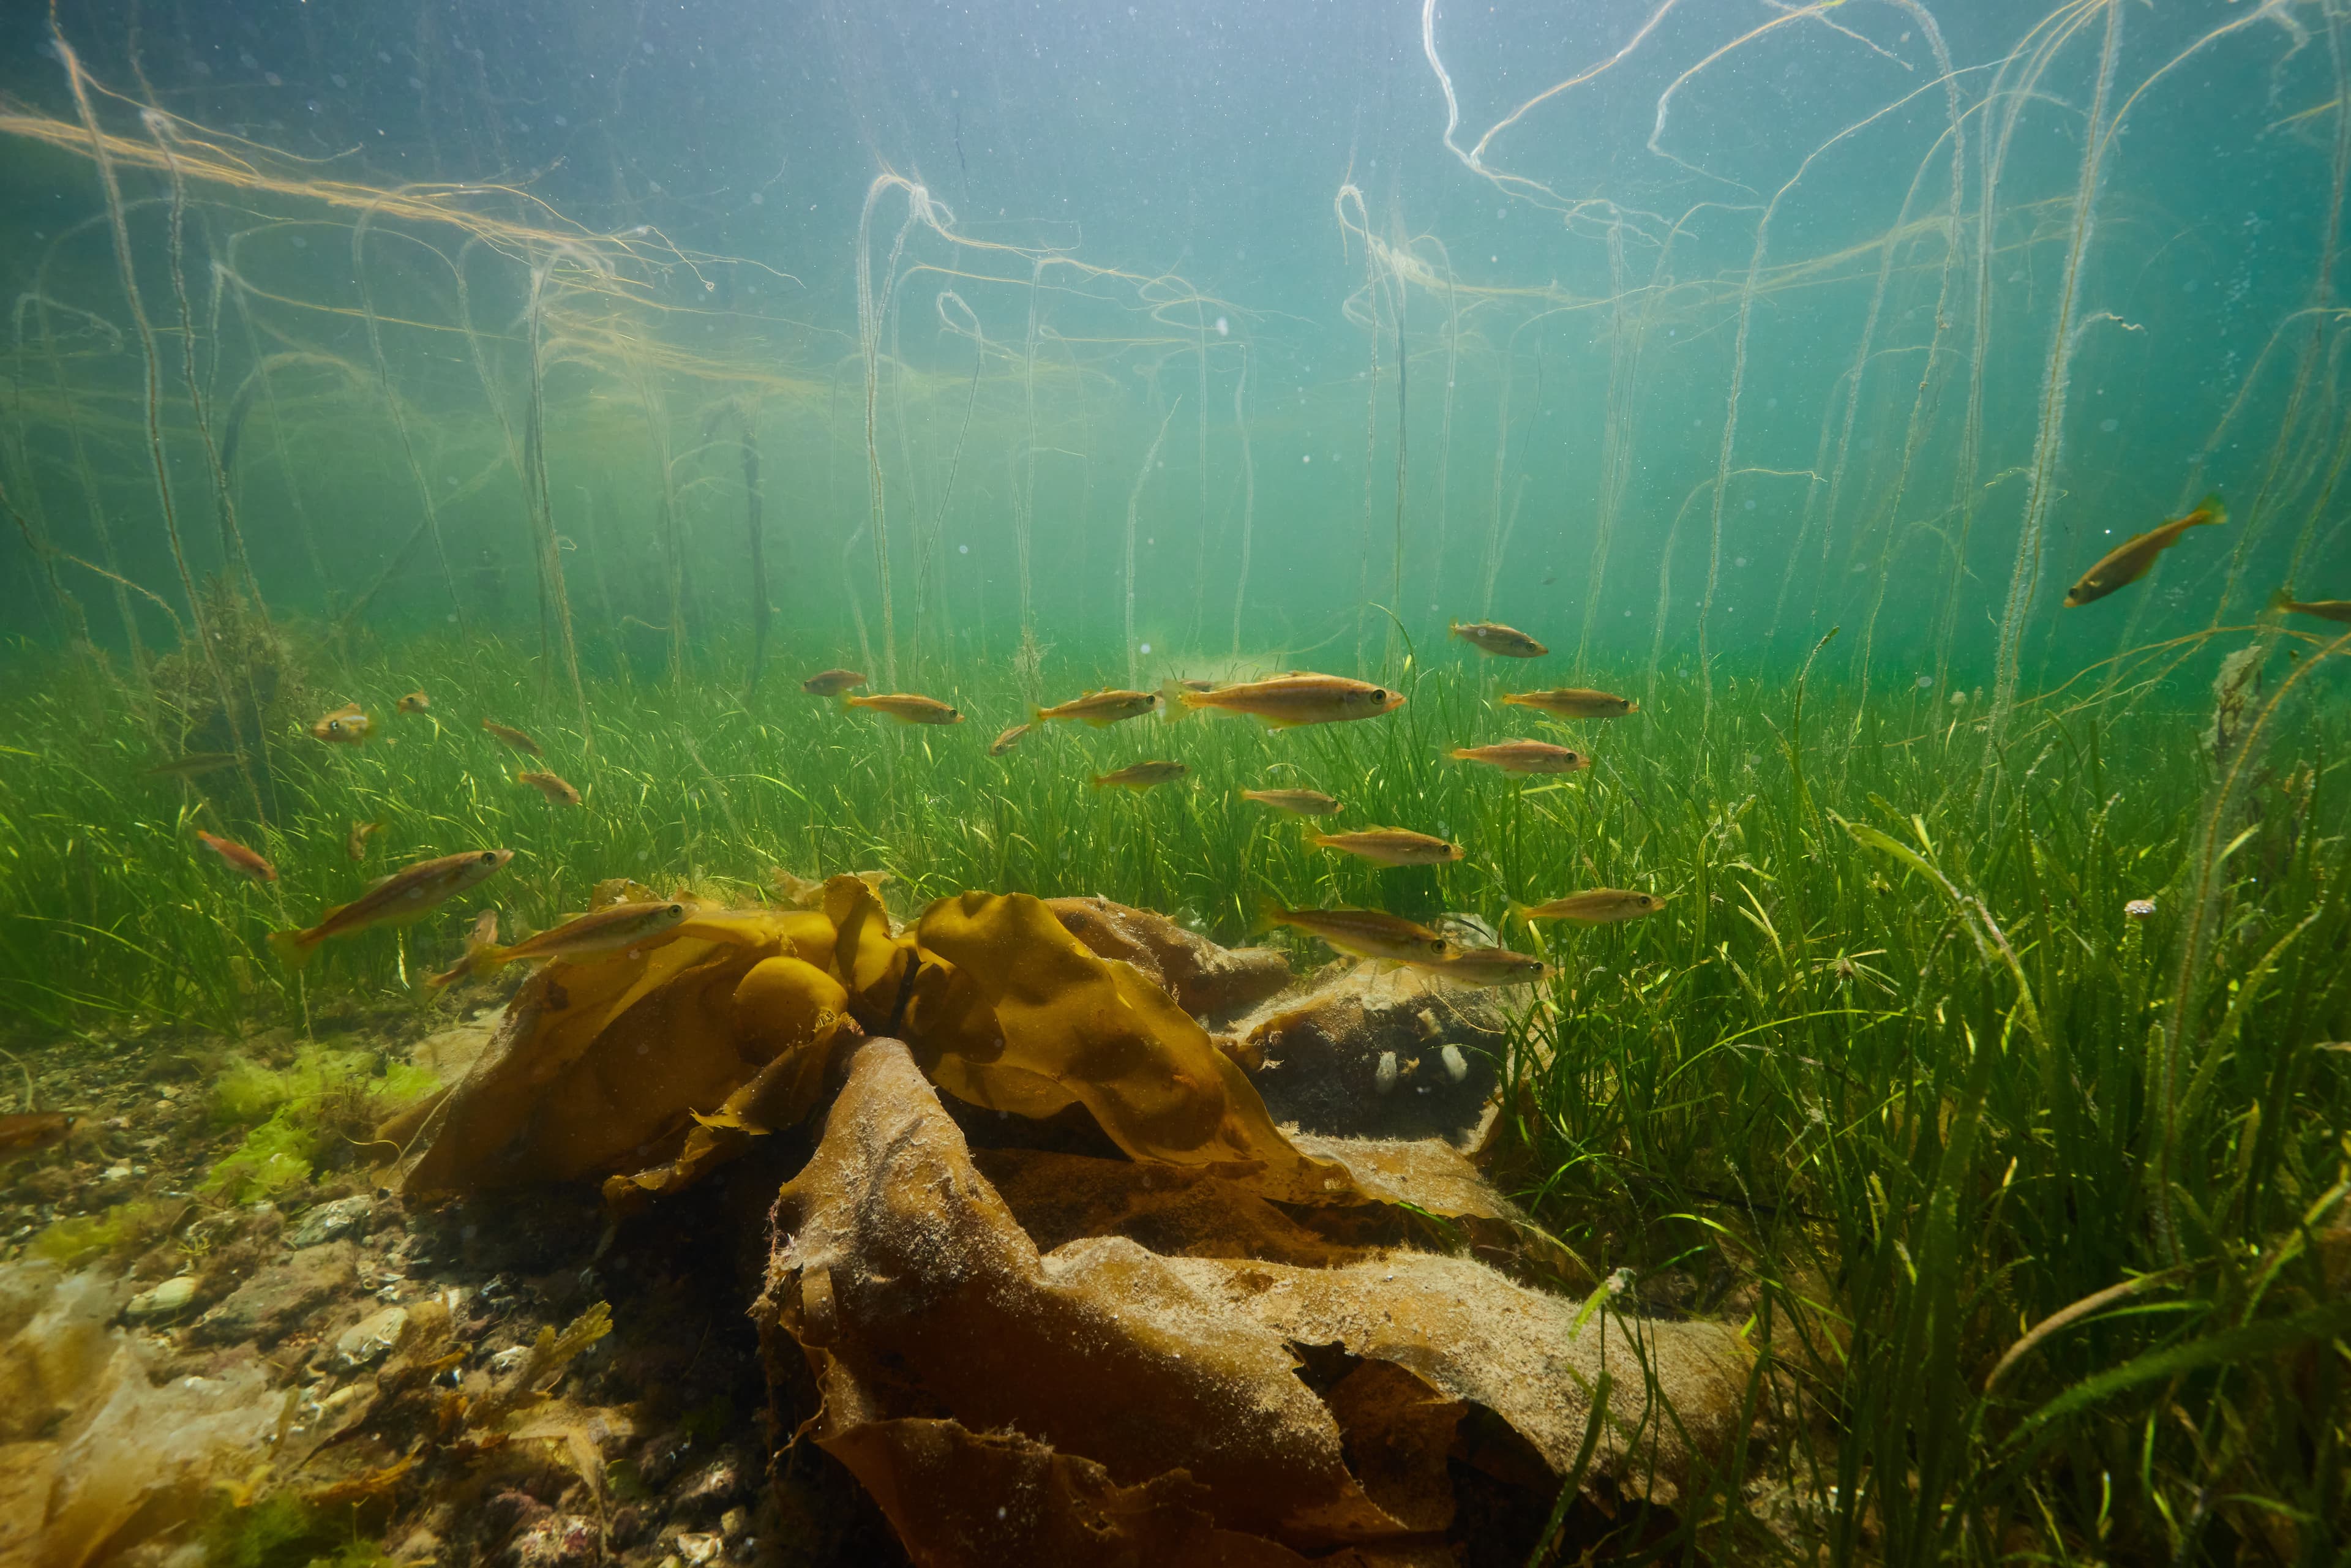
(394, 406)
(1748, 291)
(1024, 515)
(1624, 335)
(233, 549)
(1249, 496)
(2049, 439)
(870, 315)
(119, 229)
(1134, 502)
(755, 529)
(933, 544)
(541, 502)
(84, 471)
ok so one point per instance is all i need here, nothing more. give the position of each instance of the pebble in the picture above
(560, 1540)
(1384, 1076)
(164, 1300)
(1456, 1066)
(371, 1338)
(329, 1221)
(507, 1360)
(699, 1549)
(734, 1523)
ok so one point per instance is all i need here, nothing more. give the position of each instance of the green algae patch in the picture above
(314, 1114)
(120, 1231)
(285, 1532)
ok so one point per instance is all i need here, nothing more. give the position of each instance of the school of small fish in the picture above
(625, 915)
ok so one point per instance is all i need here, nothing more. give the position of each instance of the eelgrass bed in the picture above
(2036, 1206)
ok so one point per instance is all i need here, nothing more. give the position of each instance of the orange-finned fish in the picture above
(1100, 709)
(1298, 802)
(906, 707)
(513, 738)
(553, 788)
(1575, 701)
(415, 702)
(347, 726)
(1140, 776)
(239, 859)
(611, 929)
(2129, 561)
(2336, 610)
(1361, 933)
(1593, 907)
(1524, 756)
(484, 935)
(1389, 846)
(831, 683)
(356, 845)
(408, 894)
(29, 1132)
(1493, 637)
(1285, 701)
(1007, 740)
(1490, 967)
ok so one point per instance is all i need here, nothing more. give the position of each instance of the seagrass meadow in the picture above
(438, 426)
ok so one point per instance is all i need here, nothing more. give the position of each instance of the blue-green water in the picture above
(458, 428)
(1670, 333)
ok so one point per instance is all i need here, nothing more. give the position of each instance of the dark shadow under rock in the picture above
(1361, 1053)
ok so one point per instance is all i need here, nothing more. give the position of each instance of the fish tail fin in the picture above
(1633, 705)
(1522, 912)
(1036, 713)
(1508, 698)
(1098, 781)
(1459, 754)
(848, 701)
(291, 950)
(1269, 914)
(1174, 702)
(482, 957)
(2213, 508)
(2282, 599)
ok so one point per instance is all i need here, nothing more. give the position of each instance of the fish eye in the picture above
(489, 857)
(1379, 695)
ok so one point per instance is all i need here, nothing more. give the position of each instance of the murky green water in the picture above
(469, 426)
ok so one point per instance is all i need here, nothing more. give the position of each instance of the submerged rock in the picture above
(166, 1299)
(1363, 1053)
(282, 1297)
(1106, 1402)
(1203, 979)
(371, 1339)
(331, 1221)
(556, 1541)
